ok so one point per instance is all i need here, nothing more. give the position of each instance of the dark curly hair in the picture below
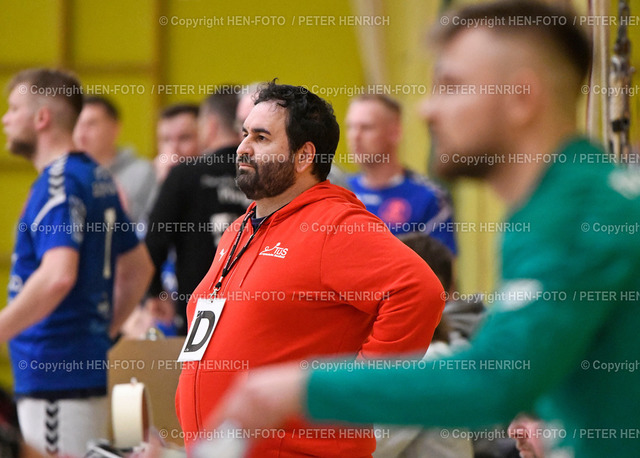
(309, 119)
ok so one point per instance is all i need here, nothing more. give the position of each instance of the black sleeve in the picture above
(166, 212)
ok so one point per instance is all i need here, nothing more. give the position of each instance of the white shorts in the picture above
(65, 426)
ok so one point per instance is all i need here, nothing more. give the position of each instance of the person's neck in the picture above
(516, 179)
(50, 148)
(268, 205)
(380, 175)
(106, 158)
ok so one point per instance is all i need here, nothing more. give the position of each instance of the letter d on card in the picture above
(205, 320)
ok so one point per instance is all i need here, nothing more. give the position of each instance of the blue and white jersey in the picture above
(411, 203)
(73, 203)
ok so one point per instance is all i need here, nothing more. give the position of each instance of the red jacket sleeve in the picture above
(383, 277)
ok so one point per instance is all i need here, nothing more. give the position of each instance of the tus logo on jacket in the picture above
(276, 251)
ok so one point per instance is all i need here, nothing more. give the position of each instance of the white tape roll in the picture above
(130, 413)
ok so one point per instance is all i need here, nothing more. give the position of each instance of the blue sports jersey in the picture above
(411, 203)
(73, 203)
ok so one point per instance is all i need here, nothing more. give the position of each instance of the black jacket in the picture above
(195, 204)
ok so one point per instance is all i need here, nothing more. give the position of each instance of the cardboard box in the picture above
(152, 362)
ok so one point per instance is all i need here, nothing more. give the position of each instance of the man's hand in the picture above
(161, 309)
(265, 399)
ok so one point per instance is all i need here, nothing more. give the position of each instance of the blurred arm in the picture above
(133, 274)
(42, 292)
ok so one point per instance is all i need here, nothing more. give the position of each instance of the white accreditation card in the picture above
(205, 320)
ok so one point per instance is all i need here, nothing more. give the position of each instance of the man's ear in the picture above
(305, 157)
(42, 118)
(395, 132)
(526, 101)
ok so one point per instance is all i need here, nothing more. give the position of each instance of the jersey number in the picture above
(110, 221)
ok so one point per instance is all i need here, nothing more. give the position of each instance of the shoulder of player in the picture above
(423, 191)
(69, 175)
(68, 171)
(573, 229)
(195, 177)
(353, 180)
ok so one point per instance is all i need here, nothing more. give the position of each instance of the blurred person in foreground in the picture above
(529, 432)
(567, 304)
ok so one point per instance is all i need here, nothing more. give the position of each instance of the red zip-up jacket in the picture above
(322, 277)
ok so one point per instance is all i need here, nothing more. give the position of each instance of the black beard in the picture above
(267, 179)
(22, 148)
(452, 171)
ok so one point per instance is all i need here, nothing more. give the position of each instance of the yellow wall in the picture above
(410, 65)
(122, 49)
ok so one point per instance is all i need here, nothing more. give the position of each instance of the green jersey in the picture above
(561, 340)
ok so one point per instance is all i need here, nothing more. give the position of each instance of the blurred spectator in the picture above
(402, 199)
(246, 104)
(195, 204)
(96, 132)
(177, 141)
(177, 137)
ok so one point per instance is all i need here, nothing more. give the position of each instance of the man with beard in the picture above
(306, 272)
(568, 304)
(77, 270)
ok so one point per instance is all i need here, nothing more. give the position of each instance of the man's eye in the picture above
(261, 137)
